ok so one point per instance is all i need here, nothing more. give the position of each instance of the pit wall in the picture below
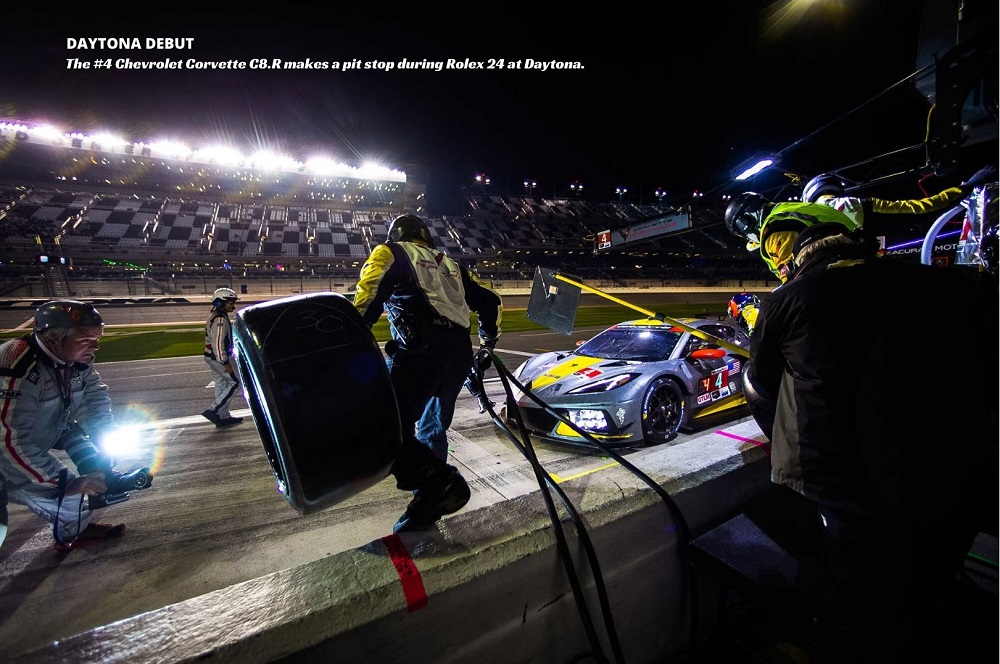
(487, 585)
(197, 288)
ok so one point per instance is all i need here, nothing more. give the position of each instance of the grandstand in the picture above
(151, 224)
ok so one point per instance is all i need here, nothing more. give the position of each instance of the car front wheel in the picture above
(662, 412)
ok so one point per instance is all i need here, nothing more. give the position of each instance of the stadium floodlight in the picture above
(269, 161)
(220, 154)
(109, 141)
(170, 149)
(374, 170)
(325, 166)
(47, 132)
(13, 126)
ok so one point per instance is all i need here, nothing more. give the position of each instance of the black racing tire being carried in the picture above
(320, 395)
(663, 411)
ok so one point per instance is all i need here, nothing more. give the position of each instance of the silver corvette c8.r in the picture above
(636, 383)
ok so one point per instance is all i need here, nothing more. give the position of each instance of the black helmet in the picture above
(409, 227)
(824, 184)
(745, 214)
(66, 314)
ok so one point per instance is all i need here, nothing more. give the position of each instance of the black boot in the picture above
(445, 492)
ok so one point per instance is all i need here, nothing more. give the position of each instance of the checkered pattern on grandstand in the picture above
(122, 224)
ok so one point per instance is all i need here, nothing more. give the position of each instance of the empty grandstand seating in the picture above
(514, 234)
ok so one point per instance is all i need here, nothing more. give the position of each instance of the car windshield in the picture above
(631, 343)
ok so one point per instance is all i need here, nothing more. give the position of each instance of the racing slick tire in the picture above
(320, 395)
(762, 406)
(663, 411)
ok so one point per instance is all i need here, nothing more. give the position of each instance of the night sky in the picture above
(670, 95)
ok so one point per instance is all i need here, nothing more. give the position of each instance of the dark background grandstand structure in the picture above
(513, 169)
(665, 98)
(165, 220)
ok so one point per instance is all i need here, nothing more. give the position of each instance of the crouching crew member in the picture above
(51, 397)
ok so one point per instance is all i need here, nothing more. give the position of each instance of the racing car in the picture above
(638, 382)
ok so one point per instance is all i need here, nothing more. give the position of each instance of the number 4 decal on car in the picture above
(720, 377)
(715, 382)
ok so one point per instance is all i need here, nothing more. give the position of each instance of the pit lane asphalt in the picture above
(212, 516)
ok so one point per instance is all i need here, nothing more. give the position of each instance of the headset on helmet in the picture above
(823, 235)
(409, 227)
(223, 295)
(745, 214)
(825, 184)
(810, 235)
(65, 314)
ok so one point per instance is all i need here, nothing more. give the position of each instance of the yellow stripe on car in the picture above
(560, 371)
(721, 405)
(563, 429)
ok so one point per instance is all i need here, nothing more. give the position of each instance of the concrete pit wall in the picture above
(494, 584)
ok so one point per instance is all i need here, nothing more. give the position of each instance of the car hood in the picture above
(561, 372)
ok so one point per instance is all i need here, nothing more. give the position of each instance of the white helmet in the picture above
(223, 295)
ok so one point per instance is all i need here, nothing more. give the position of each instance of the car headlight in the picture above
(589, 420)
(605, 384)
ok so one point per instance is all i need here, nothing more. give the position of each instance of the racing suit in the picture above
(218, 356)
(48, 405)
(856, 208)
(863, 427)
(428, 299)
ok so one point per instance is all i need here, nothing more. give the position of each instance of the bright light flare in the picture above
(170, 149)
(47, 132)
(138, 441)
(754, 170)
(269, 161)
(220, 154)
(787, 16)
(109, 141)
(121, 442)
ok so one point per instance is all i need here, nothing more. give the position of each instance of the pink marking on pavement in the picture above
(757, 443)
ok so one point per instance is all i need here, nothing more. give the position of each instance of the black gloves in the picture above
(483, 359)
(982, 176)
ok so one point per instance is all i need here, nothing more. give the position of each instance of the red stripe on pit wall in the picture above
(409, 575)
